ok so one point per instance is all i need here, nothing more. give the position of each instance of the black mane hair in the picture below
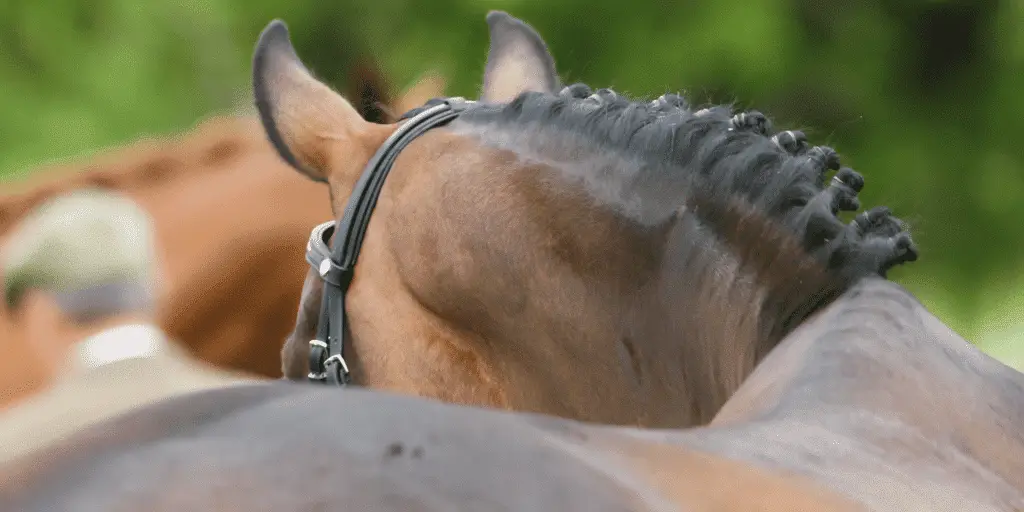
(765, 194)
(722, 155)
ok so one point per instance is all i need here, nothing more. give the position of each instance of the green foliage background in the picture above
(924, 97)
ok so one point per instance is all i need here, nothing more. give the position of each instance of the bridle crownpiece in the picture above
(336, 265)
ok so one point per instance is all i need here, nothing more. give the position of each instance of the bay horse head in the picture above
(563, 250)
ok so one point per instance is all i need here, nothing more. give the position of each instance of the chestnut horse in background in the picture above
(860, 399)
(232, 222)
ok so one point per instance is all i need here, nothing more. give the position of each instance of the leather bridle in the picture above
(336, 265)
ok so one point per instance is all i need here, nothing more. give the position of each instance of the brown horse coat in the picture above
(572, 252)
(872, 405)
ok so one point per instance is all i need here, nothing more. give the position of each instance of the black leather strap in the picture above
(336, 267)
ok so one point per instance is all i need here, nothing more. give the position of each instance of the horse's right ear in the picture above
(305, 120)
(518, 61)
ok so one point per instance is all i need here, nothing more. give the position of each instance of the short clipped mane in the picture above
(761, 193)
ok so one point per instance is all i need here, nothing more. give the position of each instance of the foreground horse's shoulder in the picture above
(872, 303)
(852, 376)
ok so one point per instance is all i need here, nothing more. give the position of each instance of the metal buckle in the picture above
(340, 376)
(340, 360)
(321, 375)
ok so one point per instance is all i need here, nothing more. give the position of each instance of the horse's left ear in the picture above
(304, 119)
(518, 61)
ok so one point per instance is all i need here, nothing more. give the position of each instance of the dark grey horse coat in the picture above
(871, 405)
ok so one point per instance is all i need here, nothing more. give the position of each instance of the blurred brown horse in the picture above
(572, 252)
(232, 221)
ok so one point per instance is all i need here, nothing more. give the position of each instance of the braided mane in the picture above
(763, 194)
(718, 153)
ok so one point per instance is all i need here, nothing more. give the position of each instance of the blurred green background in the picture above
(925, 98)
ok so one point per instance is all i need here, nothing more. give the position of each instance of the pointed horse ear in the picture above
(304, 119)
(518, 61)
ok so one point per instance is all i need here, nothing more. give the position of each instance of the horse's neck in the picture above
(734, 282)
(878, 369)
